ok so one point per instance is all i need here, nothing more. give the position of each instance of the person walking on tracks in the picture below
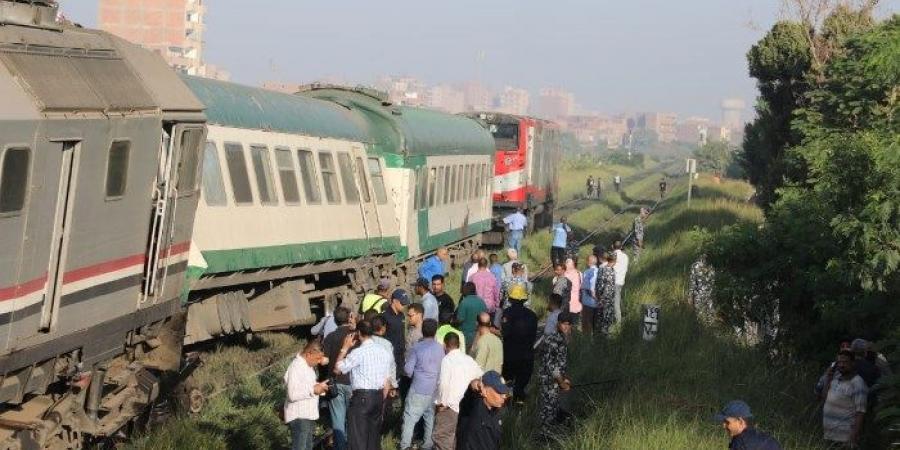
(737, 420)
(553, 372)
(369, 367)
(516, 223)
(301, 408)
(458, 371)
(560, 233)
(589, 187)
(663, 187)
(637, 231)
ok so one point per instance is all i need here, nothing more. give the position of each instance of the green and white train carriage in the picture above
(294, 214)
(439, 172)
(309, 199)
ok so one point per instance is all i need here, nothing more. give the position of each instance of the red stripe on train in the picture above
(21, 290)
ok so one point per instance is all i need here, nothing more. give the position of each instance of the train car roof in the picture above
(239, 106)
(498, 117)
(408, 130)
(66, 69)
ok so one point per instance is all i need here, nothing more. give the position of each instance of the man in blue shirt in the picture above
(560, 232)
(515, 224)
(429, 301)
(423, 365)
(737, 420)
(589, 296)
(434, 264)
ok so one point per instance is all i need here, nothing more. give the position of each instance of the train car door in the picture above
(176, 177)
(367, 200)
(59, 240)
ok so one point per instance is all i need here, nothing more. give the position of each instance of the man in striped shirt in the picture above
(845, 402)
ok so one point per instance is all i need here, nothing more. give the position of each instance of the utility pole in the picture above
(691, 168)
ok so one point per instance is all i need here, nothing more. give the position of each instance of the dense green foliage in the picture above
(713, 157)
(824, 155)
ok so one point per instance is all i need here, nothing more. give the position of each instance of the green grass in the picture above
(668, 389)
(666, 392)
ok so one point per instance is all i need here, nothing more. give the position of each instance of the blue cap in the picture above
(494, 381)
(736, 409)
(401, 296)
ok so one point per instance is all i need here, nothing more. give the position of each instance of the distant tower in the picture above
(732, 112)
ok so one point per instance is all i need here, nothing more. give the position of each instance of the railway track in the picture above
(603, 225)
(575, 204)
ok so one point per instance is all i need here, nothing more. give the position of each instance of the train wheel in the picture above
(191, 398)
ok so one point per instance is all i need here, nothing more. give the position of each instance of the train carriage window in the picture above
(351, 193)
(432, 186)
(237, 170)
(420, 187)
(262, 168)
(440, 186)
(309, 177)
(449, 181)
(117, 169)
(470, 181)
(14, 180)
(213, 184)
(329, 176)
(189, 160)
(378, 181)
(466, 184)
(363, 181)
(287, 175)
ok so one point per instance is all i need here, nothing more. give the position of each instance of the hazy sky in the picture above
(615, 56)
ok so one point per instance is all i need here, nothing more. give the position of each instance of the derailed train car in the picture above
(309, 199)
(98, 185)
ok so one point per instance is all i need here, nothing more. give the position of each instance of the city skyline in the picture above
(595, 50)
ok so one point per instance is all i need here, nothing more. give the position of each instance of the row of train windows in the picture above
(352, 176)
(436, 186)
(15, 168)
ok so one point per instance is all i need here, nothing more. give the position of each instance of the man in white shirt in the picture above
(370, 367)
(515, 225)
(301, 408)
(621, 270)
(458, 370)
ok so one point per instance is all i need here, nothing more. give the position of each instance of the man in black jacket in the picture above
(519, 334)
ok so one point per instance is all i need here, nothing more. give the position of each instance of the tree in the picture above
(714, 157)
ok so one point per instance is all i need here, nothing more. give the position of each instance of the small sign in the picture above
(690, 166)
(650, 322)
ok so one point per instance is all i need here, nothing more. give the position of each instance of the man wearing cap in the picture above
(519, 334)
(434, 264)
(378, 299)
(737, 420)
(396, 324)
(458, 371)
(429, 302)
(479, 414)
(554, 372)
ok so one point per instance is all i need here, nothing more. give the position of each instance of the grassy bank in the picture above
(666, 390)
